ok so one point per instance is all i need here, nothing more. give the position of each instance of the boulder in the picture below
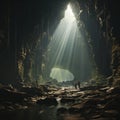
(67, 100)
(62, 110)
(48, 101)
(73, 110)
(12, 96)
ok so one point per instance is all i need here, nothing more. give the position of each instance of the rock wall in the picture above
(26, 28)
(96, 16)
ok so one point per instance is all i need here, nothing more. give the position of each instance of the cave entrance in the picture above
(61, 75)
(69, 49)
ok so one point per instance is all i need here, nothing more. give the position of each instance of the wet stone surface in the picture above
(60, 103)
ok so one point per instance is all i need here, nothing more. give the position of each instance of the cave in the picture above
(60, 59)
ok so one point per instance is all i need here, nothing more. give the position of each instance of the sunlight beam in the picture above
(68, 50)
(69, 14)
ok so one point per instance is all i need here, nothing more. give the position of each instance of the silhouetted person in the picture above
(78, 83)
(75, 85)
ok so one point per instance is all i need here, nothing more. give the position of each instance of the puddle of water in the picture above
(36, 112)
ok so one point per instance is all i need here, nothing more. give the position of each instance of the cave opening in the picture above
(61, 75)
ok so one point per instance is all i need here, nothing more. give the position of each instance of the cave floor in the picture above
(59, 103)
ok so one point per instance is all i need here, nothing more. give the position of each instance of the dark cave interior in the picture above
(28, 26)
(39, 47)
